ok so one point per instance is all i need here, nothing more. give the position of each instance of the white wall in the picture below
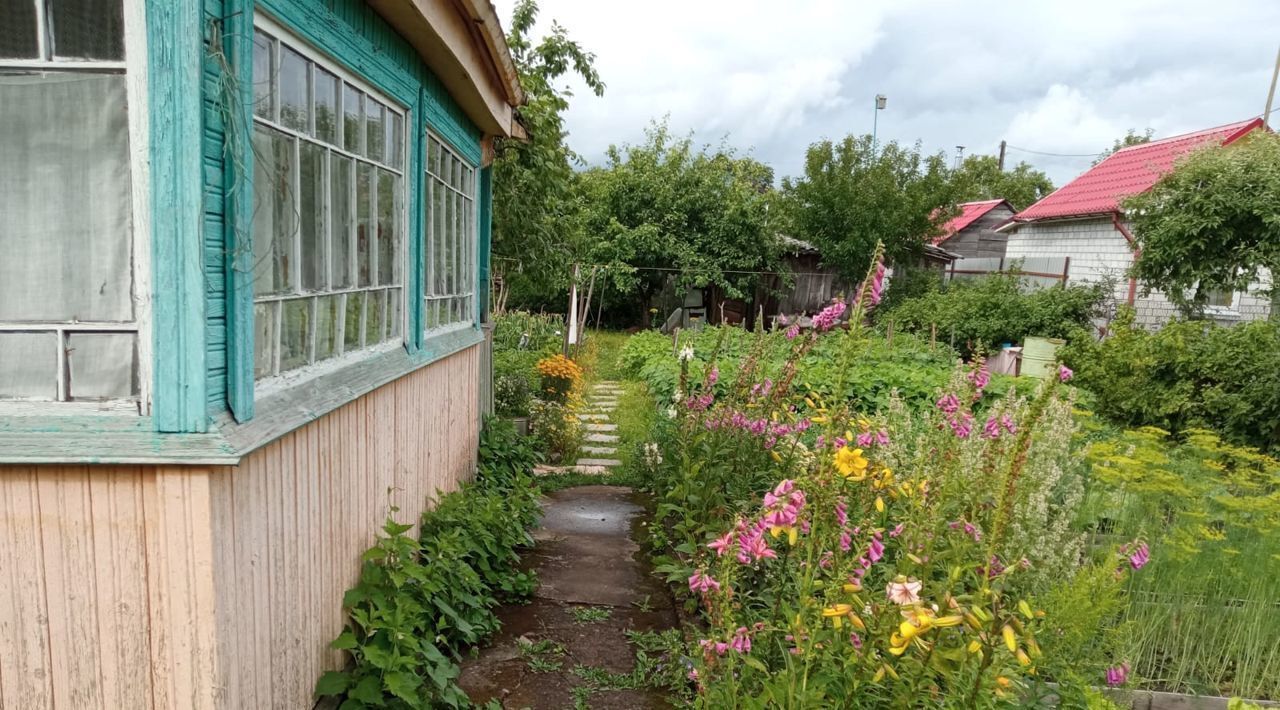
(1097, 249)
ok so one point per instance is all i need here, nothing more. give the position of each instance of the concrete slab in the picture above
(608, 463)
(602, 427)
(599, 450)
(597, 417)
(601, 438)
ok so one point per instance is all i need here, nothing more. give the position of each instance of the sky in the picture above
(1054, 76)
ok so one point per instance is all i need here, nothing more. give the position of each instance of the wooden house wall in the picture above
(980, 239)
(196, 587)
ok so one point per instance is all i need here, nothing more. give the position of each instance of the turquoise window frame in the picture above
(418, 90)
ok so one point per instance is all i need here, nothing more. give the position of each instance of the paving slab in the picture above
(608, 463)
(602, 427)
(599, 450)
(601, 438)
(586, 555)
(597, 417)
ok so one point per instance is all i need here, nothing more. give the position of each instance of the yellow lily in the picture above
(851, 463)
(837, 612)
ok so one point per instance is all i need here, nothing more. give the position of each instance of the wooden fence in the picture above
(1035, 272)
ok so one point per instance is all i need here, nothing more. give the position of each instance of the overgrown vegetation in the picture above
(1188, 374)
(423, 600)
(981, 314)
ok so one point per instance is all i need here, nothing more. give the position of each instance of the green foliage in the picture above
(521, 331)
(422, 601)
(1211, 224)
(1130, 138)
(1188, 374)
(520, 340)
(983, 313)
(666, 207)
(590, 614)
(534, 208)
(980, 178)
(855, 193)
(555, 429)
(641, 348)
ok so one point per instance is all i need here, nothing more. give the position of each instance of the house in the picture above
(1084, 221)
(242, 298)
(972, 233)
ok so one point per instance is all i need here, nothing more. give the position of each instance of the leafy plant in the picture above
(420, 602)
(556, 429)
(590, 614)
(543, 656)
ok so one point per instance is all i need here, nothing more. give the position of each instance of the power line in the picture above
(1056, 155)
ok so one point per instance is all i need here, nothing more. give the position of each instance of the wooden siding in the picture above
(198, 587)
(980, 239)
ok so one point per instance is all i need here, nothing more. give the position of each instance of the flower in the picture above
(962, 425)
(837, 612)
(793, 332)
(713, 376)
(903, 590)
(829, 316)
(851, 463)
(1116, 675)
(686, 353)
(948, 403)
(702, 582)
(741, 640)
(991, 430)
(1140, 556)
(1064, 373)
(721, 544)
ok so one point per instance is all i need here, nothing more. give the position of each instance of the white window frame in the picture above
(283, 380)
(432, 182)
(134, 68)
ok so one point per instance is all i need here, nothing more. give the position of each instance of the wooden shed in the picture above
(241, 320)
(972, 233)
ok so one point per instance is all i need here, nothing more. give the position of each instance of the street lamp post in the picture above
(880, 101)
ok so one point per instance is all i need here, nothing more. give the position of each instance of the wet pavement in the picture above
(594, 585)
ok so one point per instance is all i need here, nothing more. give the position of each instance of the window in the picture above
(72, 269)
(1222, 300)
(450, 251)
(328, 211)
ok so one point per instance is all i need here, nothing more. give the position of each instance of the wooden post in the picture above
(675, 341)
(1066, 269)
(1001, 165)
(889, 335)
(933, 336)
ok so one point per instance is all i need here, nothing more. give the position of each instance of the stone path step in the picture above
(609, 463)
(602, 427)
(601, 438)
(599, 450)
(599, 417)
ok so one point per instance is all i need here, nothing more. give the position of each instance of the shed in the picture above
(242, 321)
(972, 233)
(1083, 221)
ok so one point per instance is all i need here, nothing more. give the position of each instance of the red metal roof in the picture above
(1127, 172)
(969, 212)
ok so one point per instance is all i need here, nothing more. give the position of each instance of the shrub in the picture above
(533, 332)
(555, 429)
(560, 376)
(512, 395)
(1188, 374)
(640, 349)
(422, 601)
(984, 313)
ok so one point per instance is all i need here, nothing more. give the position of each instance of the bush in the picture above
(984, 313)
(421, 602)
(555, 429)
(1188, 374)
(512, 395)
(534, 332)
(561, 377)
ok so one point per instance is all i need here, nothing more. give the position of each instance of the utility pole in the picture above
(881, 99)
(1002, 146)
(1271, 94)
(959, 156)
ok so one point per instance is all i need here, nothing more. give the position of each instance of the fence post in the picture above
(933, 336)
(1066, 269)
(889, 335)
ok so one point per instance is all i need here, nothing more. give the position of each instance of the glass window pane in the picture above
(326, 90)
(102, 366)
(351, 114)
(327, 327)
(295, 76)
(29, 366)
(375, 327)
(264, 339)
(264, 75)
(18, 30)
(340, 203)
(433, 156)
(295, 334)
(364, 223)
(274, 211)
(65, 217)
(388, 228)
(395, 139)
(373, 116)
(87, 29)
(311, 213)
(354, 326)
(395, 307)
(438, 250)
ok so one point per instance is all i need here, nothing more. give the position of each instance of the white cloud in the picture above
(1058, 77)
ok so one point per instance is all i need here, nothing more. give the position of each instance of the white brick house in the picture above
(1083, 220)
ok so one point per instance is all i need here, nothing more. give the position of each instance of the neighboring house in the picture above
(244, 262)
(1083, 220)
(972, 233)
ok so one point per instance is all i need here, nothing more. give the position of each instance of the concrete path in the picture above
(593, 586)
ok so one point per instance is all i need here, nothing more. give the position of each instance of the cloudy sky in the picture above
(1054, 76)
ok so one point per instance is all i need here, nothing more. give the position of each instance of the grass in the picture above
(545, 656)
(590, 614)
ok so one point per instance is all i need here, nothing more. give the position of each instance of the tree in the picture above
(855, 193)
(664, 208)
(1212, 223)
(535, 217)
(980, 178)
(1130, 138)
